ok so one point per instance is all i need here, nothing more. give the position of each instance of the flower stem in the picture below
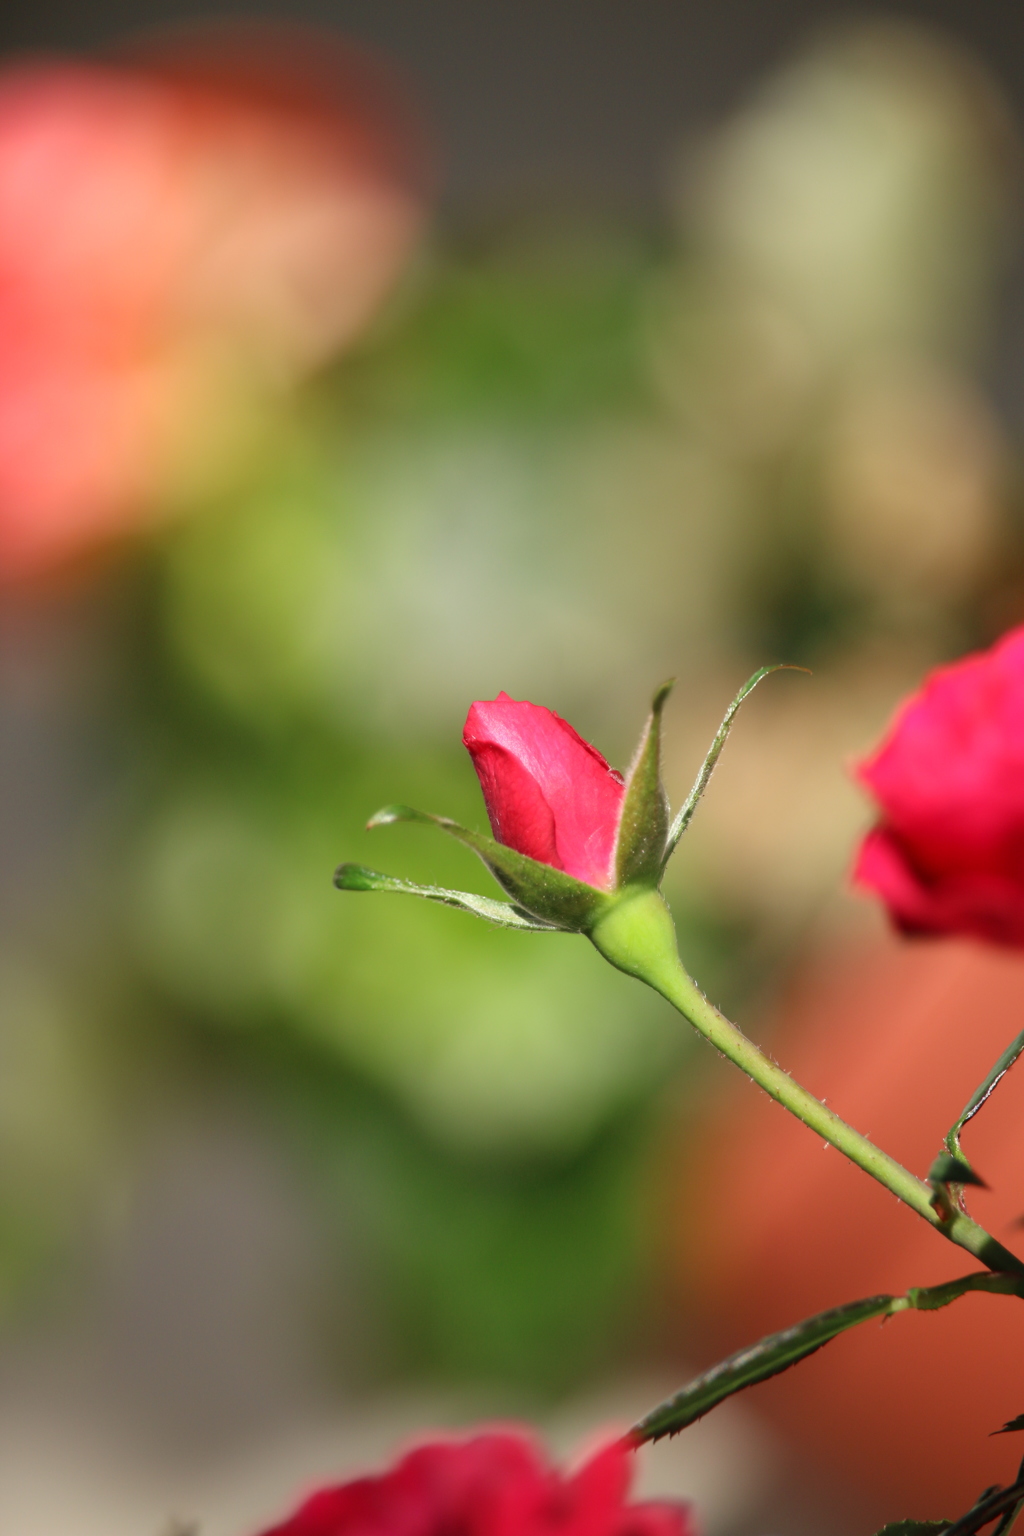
(685, 995)
(638, 937)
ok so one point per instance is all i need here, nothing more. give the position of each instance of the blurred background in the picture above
(357, 361)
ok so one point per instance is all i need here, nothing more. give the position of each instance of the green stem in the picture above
(637, 935)
(959, 1228)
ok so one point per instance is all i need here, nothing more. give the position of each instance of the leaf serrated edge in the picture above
(777, 1352)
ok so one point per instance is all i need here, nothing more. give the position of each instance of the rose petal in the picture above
(948, 856)
(528, 759)
(493, 1484)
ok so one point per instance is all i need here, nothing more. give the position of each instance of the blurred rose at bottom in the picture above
(895, 1035)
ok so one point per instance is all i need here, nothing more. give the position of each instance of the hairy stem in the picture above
(638, 937)
(959, 1228)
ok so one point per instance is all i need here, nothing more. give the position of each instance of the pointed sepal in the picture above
(539, 889)
(643, 824)
(707, 768)
(356, 877)
(1011, 1427)
(948, 1169)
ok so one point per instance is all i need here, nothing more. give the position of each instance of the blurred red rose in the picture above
(948, 854)
(183, 234)
(549, 794)
(494, 1484)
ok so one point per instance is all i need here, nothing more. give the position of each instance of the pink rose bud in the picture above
(570, 834)
(947, 856)
(493, 1484)
(548, 793)
(577, 846)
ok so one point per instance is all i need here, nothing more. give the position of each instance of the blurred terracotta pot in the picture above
(770, 1225)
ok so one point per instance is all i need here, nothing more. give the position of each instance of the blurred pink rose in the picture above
(183, 233)
(493, 1484)
(948, 854)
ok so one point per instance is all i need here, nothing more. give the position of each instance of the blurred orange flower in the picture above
(185, 232)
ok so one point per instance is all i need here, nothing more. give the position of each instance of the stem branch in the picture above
(638, 936)
(684, 994)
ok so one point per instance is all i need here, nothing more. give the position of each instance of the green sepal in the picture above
(643, 824)
(707, 768)
(540, 889)
(356, 877)
(948, 1169)
(757, 1363)
(982, 1093)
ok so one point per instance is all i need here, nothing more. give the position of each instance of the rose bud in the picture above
(570, 834)
(947, 856)
(576, 846)
(492, 1484)
(548, 792)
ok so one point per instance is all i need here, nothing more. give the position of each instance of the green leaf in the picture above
(685, 815)
(643, 825)
(980, 1094)
(948, 1169)
(779, 1351)
(540, 889)
(1011, 1426)
(356, 877)
(914, 1528)
(747, 1367)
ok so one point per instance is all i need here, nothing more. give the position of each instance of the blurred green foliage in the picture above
(477, 1110)
(572, 460)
